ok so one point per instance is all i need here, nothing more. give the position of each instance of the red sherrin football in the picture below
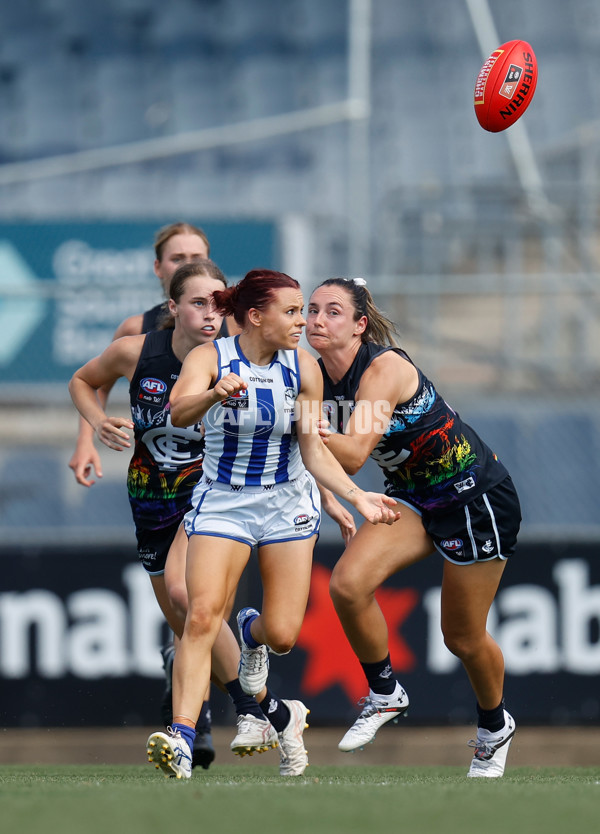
(505, 86)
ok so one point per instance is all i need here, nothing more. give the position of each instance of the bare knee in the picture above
(343, 587)
(178, 600)
(201, 621)
(279, 633)
(282, 639)
(462, 645)
(345, 591)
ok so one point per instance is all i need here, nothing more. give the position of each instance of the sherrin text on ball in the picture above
(505, 85)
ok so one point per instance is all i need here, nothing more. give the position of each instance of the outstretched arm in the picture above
(320, 462)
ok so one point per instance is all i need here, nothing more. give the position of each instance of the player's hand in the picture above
(342, 517)
(377, 508)
(110, 432)
(229, 385)
(84, 462)
(324, 429)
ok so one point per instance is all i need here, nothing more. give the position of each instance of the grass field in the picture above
(128, 799)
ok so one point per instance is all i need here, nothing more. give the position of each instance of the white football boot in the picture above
(377, 710)
(491, 750)
(170, 753)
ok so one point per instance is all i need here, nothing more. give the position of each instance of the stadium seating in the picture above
(80, 75)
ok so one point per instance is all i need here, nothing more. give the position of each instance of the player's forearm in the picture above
(86, 401)
(327, 471)
(85, 433)
(345, 450)
(190, 409)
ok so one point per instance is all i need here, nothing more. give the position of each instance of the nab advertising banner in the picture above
(64, 287)
(80, 638)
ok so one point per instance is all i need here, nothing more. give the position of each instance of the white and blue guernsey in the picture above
(250, 437)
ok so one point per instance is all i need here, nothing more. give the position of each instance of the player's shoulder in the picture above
(387, 357)
(127, 346)
(203, 352)
(390, 372)
(307, 361)
(310, 373)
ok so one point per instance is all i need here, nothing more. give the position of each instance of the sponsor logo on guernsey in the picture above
(152, 391)
(452, 544)
(153, 386)
(289, 396)
(328, 410)
(463, 486)
(237, 400)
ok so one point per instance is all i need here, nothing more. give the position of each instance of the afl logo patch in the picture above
(452, 544)
(301, 519)
(153, 386)
(237, 400)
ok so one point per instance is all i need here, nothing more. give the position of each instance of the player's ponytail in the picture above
(226, 301)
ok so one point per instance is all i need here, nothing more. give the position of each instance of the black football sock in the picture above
(276, 711)
(380, 676)
(244, 704)
(491, 719)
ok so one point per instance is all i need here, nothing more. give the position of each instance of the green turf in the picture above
(399, 800)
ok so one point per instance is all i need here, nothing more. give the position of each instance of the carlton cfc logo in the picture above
(153, 386)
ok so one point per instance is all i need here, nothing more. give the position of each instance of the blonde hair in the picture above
(165, 233)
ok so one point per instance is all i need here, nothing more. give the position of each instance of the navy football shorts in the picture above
(153, 546)
(485, 528)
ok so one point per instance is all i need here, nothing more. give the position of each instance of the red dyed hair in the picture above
(256, 289)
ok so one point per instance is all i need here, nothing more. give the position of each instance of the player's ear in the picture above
(172, 307)
(361, 325)
(254, 316)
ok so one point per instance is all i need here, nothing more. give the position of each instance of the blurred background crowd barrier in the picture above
(322, 138)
